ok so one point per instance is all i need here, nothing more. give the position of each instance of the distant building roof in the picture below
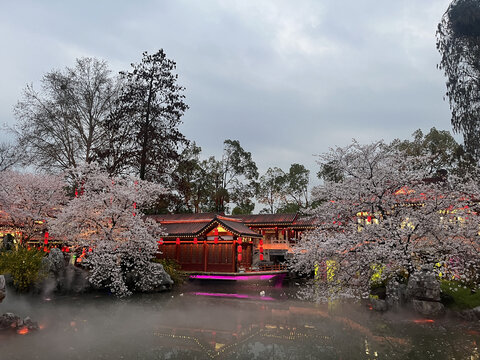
(197, 225)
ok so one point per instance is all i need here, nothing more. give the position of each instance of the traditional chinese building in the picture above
(220, 243)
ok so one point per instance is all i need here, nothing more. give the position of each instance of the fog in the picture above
(226, 320)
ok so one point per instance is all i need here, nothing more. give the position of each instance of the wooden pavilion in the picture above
(222, 243)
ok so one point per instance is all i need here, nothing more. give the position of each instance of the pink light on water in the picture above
(236, 296)
(233, 277)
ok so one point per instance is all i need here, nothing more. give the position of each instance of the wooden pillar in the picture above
(205, 255)
(234, 260)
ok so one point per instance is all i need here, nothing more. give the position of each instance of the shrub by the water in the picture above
(25, 266)
(459, 296)
(173, 269)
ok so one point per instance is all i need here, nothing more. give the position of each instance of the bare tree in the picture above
(60, 125)
(9, 156)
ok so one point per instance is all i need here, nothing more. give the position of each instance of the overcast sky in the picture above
(288, 79)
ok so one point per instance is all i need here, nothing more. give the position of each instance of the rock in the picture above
(470, 314)
(55, 261)
(423, 285)
(379, 305)
(3, 288)
(476, 311)
(428, 308)
(31, 325)
(396, 295)
(10, 321)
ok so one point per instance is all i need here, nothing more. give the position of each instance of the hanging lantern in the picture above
(239, 249)
(45, 249)
(215, 240)
(45, 241)
(260, 249)
(76, 192)
(177, 241)
(67, 249)
(215, 231)
(261, 257)
(239, 241)
(90, 249)
(260, 242)
(195, 240)
(239, 257)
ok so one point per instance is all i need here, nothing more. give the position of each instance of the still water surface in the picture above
(217, 320)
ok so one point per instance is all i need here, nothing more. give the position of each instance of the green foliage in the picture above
(459, 296)
(173, 269)
(329, 172)
(284, 192)
(439, 146)
(458, 42)
(25, 267)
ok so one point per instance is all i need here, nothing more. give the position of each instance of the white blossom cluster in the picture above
(28, 200)
(104, 222)
(387, 217)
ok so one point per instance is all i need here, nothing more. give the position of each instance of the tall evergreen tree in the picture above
(154, 103)
(458, 41)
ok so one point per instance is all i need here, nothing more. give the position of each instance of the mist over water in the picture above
(226, 320)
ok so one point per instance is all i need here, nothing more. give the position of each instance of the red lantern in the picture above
(45, 249)
(46, 238)
(195, 241)
(239, 257)
(261, 257)
(260, 242)
(369, 219)
(239, 241)
(76, 192)
(177, 241)
(160, 242)
(90, 249)
(239, 249)
(67, 249)
(216, 231)
(261, 249)
(215, 240)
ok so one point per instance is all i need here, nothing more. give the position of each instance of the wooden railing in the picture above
(272, 267)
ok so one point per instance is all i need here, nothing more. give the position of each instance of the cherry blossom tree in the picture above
(105, 225)
(384, 218)
(28, 200)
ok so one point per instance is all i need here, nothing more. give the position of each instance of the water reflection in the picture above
(216, 320)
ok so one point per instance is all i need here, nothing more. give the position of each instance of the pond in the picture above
(227, 320)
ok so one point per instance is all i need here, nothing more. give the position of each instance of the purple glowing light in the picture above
(233, 277)
(236, 296)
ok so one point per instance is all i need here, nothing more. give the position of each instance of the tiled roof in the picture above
(268, 219)
(197, 224)
(239, 228)
(305, 222)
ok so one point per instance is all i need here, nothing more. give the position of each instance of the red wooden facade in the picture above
(219, 243)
